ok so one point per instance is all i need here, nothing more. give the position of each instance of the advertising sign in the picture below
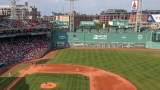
(62, 23)
(120, 23)
(134, 5)
(140, 37)
(153, 18)
(87, 23)
(100, 37)
(62, 37)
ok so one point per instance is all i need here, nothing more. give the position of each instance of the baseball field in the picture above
(141, 67)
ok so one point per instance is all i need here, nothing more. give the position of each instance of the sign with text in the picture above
(87, 23)
(120, 23)
(100, 37)
(62, 23)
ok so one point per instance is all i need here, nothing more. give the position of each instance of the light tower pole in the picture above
(138, 16)
(13, 9)
(72, 26)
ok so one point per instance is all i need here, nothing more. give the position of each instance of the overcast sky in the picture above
(84, 6)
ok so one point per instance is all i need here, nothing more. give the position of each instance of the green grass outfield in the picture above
(142, 68)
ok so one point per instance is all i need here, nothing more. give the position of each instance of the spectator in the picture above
(20, 49)
(22, 24)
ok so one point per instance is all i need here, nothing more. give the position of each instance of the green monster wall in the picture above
(63, 39)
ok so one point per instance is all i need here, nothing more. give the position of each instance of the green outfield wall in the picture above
(65, 39)
(153, 45)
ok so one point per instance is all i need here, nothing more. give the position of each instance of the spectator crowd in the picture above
(22, 24)
(19, 49)
(4, 24)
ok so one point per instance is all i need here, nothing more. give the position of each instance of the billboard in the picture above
(134, 5)
(153, 18)
(120, 22)
(87, 23)
(62, 23)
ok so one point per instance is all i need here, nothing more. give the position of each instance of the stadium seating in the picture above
(22, 24)
(19, 49)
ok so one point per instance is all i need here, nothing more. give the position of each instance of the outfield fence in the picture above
(64, 39)
(100, 40)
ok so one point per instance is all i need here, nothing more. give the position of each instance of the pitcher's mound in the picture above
(48, 85)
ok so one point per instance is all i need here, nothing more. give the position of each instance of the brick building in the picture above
(84, 17)
(145, 13)
(151, 11)
(22, 11)
(112, 14)
(133, 17)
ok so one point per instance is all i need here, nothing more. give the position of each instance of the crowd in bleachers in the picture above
(22, 24)
(37, 23)
(19, 49)
(11, 24)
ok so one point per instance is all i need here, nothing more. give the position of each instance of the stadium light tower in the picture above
(138, 16)
(72, 26)
(13, 9)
